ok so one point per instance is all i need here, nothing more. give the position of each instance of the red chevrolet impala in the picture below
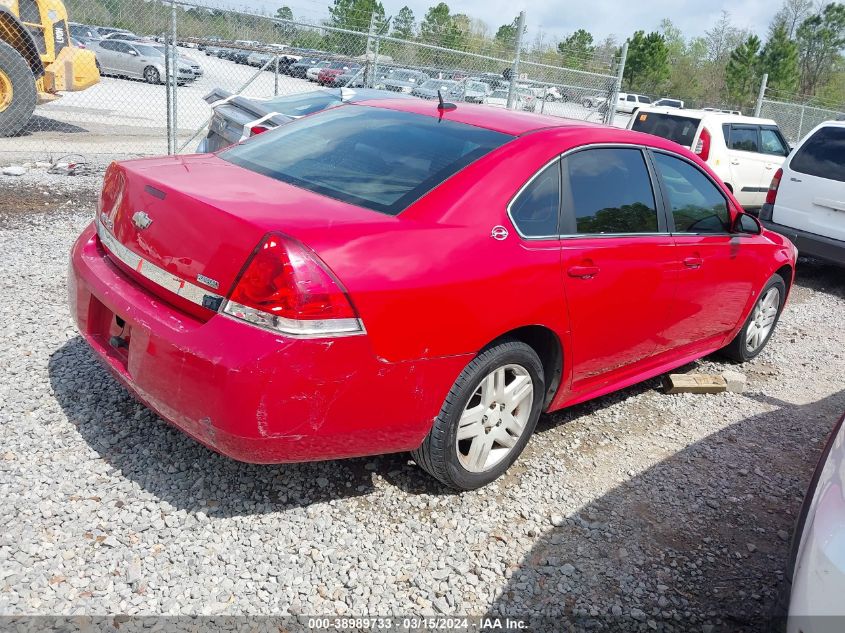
(394, 276)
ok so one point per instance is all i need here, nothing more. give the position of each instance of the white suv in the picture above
(744, 151)
(627, 102)
(806, 199)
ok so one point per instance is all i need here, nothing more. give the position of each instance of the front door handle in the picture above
(583, 272)
(693, 262)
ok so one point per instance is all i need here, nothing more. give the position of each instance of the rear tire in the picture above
(495, 404)
(17, 91)
(760, 325)
(151, 75)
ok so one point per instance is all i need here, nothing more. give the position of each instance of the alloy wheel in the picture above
(762, 319)
(495, 418)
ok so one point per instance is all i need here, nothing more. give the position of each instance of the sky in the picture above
(558, 18)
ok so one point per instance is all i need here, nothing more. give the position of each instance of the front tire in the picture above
(487, 418)
(151, 75)
(760, 325)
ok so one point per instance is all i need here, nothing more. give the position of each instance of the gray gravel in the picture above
(638, 507)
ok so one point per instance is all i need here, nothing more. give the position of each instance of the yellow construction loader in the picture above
(37, 60)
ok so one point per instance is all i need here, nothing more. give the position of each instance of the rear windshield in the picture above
(375, 158)
(823, 155)
(680, 129)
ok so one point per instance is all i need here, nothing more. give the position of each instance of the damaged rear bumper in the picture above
(247, 393)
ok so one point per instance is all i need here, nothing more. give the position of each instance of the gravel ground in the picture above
(636, 510)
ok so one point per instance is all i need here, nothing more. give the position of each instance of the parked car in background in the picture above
(137, 60)
(260, 298)
(476, 91)
(126, 36)
(628, 102)
(311, 73)
(83, 33)
(528, 98)
(667, 102)
(499, 99)
(102, 31)
(237, 118)
(300, 68)
(744, 151)
(810, 599)
(450, 90)
(258, 59)
(403, 80)
(328, 75)
(806, 198)
(594, 101)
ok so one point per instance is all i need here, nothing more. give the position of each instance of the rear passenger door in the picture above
(617, 262)
(747, 164)
(716, 269)
(774, 149)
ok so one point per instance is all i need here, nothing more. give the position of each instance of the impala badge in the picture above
(499, 233)
(208, 281)
(141, 220)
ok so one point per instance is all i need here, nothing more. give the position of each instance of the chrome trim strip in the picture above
(159, 276)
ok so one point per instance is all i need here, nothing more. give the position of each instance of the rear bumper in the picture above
(248, 393)
(807, 243)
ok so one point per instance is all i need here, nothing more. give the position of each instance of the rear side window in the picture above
(535, 209)
(680, 129)
(772, 143)
(372, 157)
(610, 192)
(697, 204)
(744, 138)
(822, 155)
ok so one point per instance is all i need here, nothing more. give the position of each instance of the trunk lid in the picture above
(197, 219)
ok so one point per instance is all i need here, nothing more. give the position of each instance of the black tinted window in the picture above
(697, 204)
(744, 138)
(535, 210)
(376, 158)
(611, 192)
(680, 129)
(823, 155)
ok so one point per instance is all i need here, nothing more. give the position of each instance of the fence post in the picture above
(276, 78)
(369, 75)
(172, 78)
(617, 86)
(761, 94)
(520, 27)
(801, 123)
(167, 94)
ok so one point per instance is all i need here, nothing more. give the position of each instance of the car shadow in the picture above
(174, 468)
(672, 549)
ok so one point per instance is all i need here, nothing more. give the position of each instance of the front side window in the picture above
(772, 143)
(535, 210)
(744, 138)
(373, 157)
(822, 155)
(610, 192)
(696, 203)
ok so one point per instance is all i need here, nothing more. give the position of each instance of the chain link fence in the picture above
(139, 77)
(795, 120)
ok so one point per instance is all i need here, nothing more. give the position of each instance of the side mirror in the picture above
(747, 224)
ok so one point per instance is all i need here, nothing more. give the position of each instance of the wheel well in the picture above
(785, 272)
(547, 346)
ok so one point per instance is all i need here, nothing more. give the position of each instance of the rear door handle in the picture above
(583, 272)
(734, 162)
(693, 262)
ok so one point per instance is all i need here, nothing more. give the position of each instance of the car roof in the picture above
(724, 117)
(500, 120)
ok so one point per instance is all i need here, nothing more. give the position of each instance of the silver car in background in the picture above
(137, 60)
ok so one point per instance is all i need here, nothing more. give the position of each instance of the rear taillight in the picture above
(111, 196)
(702, 148)
(772, 193)
(258, 129)
(287, 288)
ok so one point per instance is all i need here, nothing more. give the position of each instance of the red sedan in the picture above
(390, 276)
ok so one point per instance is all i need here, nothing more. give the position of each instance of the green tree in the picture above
(284, 13)
(742, 74)
(820, 37)
(577, 49)
(355, 15)
(404, 24)
(779, 58)
(647, 67)
(436, 22)
(791, 15)
(506, 35)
